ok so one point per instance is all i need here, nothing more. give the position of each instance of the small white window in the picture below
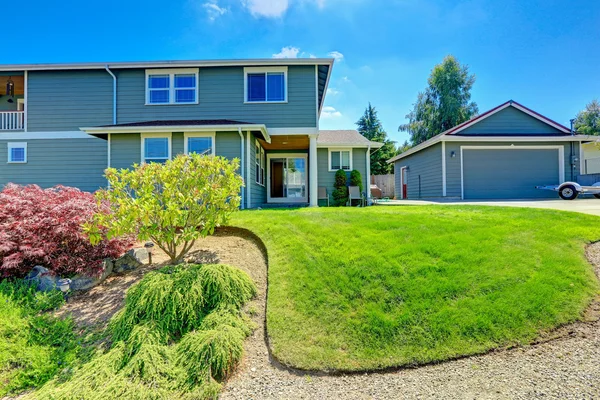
(265, 85)
(340, 159)
(171, 86)
(260, 163)
(199, 143)
(156, 148)
(17, 152)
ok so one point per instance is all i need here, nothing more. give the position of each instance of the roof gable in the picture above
(508, 119)
(511, 121)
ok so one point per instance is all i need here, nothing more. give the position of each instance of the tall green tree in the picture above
(587, 121)
(445, 103)
(371, 128)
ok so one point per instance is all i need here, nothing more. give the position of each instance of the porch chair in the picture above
(355, 194)
(323, 195)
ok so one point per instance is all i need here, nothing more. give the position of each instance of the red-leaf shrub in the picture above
(43, 227)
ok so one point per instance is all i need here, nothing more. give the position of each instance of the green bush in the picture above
(211, 353)
(340, 193)
(356, 179)
(176, 299)
(34, 347)
(173, 204)
(180, 333)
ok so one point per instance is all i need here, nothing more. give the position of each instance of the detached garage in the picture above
(501, 154)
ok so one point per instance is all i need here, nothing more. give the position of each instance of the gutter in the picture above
(242, 164)
(114, 93)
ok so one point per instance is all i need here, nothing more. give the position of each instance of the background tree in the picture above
(172, 204)
(445, 103)
(371, 128)
(587, 121)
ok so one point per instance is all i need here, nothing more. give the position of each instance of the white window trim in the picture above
(187, 135)
(261, 164)
(171, 73)
(257, 70)
(145, 136)
(16, 145)
(330, 150)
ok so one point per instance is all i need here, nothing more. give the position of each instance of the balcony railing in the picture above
(12, 120)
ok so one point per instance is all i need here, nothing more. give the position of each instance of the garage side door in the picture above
(509, 173)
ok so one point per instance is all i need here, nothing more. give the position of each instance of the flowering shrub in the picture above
(43, 227)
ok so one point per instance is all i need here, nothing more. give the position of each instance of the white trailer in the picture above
(570, 190)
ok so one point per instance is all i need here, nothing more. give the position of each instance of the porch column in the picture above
(312, 171)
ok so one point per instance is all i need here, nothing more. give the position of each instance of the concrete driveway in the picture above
(582, 205)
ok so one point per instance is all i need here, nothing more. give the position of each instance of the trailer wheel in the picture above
(568, 192)
(597, 195)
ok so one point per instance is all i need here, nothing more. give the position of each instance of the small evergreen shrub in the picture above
(340, 193)
(356, 179)
(44, 227)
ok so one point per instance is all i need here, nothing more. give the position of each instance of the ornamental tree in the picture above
(44, 227)
(171, 204)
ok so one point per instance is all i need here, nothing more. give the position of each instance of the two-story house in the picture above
(65, 123)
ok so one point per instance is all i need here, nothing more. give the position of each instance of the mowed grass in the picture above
(361, 289)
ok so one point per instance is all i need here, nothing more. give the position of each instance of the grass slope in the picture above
(359, 289)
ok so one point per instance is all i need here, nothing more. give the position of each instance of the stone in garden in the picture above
(140, 254)
(43, 278)
(82, 282)
(127, 262)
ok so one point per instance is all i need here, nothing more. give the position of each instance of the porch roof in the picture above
(344, 138)
(197, 125)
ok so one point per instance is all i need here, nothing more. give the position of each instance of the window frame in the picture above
(157, 135)
(339, 149)
(16, 145)
(172, 89)
(259, 161)
(187, 135)
(266, 70)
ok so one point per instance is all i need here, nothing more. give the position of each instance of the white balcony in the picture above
(12, 120)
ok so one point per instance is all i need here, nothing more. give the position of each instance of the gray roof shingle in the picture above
(348, 137)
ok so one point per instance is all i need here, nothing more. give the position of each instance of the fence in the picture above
(385, 183)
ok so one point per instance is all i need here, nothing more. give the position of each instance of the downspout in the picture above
(242, 164)
(572, 160)
(114, 94)
(368, 189)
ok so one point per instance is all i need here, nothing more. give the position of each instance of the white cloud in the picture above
(287, 52)
(345, 79)
(332, 92)
(266, 8)
(330, 112)
(312, 56)
(213, 10)
(274, 8)
(337, 55)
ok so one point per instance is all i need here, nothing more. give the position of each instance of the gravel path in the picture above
(566, 366)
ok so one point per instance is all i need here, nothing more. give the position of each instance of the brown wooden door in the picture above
(277, 178)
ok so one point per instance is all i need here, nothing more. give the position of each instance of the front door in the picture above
(404, 183)
(287, 178)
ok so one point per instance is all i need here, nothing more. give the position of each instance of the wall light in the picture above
(452, 154)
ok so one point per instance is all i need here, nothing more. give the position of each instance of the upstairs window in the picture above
(177, 86)
(340, 159)
(17, 152)
(265, 85)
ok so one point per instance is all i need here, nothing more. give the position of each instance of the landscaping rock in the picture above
(127, 262)
(44, 279)
(82, 282)
(140, 254)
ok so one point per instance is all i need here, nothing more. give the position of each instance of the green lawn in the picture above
(359, 289)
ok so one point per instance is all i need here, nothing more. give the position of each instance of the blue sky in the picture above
(544, 54)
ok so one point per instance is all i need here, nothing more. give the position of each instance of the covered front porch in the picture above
(286, 170)
(12, 101)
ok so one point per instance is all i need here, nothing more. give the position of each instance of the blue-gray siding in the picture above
(326, 178)
(424, 176)
(68, 100)
(509, 173)
(70, 162)
(510, 121)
